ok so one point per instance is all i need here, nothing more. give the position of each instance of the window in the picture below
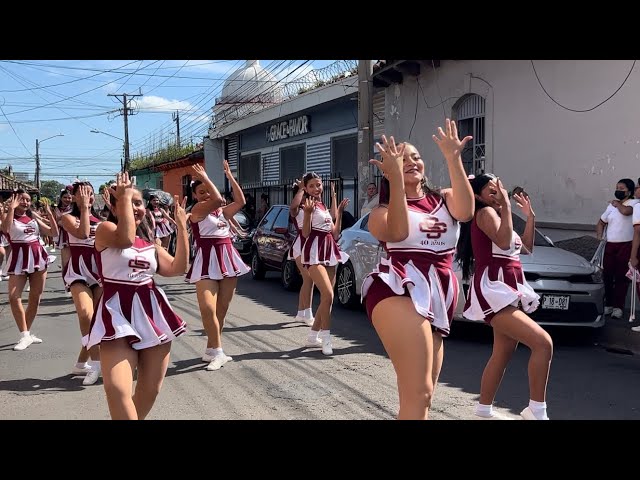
(161, 183)
(269, 218)
(344, 155)
(470, 114)
(186, 186)
(292, 162)
(283, 219)
(249, 170)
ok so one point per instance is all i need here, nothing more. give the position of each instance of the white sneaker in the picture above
(27, 288)
(617, 313)
(91, 377)
(218, 361)
(51, 259)
(23, 343)
(5, 276)
(527, 414)
(608, 310)
(636, 328)
(81, 370)
(308, 321)
(327, 348)
(313, 343)
(35, 339)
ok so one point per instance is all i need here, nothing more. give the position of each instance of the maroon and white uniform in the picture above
(163, 228)
(27, 253)
(498, 280)
(421, 265)
(216, 257)
(296, 247)
(320, 248)
(82, 265)
(4, 241)
(62, 240)
(132, 306)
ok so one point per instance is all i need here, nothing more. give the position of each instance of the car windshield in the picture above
(518, 226)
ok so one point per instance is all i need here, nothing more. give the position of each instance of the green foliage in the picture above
(51, 189)
(167, 154)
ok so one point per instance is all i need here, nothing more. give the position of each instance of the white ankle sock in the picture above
(539, 409)
(484, 410)
(300, 313)
(26, 333)
(95, 364)
(81, 364)
(308, 313)
(324, 334)
(313, 335)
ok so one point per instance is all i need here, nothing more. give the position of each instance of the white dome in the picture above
(247, 90)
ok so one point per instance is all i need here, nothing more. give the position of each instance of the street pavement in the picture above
(273, 377)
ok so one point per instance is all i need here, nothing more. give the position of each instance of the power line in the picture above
(588, 109)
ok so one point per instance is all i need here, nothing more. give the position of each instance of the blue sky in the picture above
(43, 98)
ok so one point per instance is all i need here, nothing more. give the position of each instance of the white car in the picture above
(570, 287)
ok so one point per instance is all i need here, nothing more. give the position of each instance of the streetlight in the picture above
(37, 179)
(112, 136)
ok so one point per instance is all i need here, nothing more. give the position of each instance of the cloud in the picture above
(159, 104)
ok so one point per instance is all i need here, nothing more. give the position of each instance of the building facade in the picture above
(566, 131)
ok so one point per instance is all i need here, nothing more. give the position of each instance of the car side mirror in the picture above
(281, 230)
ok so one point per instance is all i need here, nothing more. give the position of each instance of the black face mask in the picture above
(620, 195)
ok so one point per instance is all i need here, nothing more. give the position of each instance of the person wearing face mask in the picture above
(618, 220)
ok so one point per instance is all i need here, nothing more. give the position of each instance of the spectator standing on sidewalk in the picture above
(372, 199)
(618, 220)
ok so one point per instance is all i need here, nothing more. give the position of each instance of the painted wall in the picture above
(569, 162)
(173, 179)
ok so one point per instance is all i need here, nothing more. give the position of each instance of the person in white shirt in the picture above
(372, 199)
(618, 220)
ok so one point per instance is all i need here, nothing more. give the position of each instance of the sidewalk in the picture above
(617, 335)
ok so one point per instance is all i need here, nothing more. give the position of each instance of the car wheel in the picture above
(346, 286)
(257, 267)
(290, 277)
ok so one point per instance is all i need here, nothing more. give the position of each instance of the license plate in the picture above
(555, 302)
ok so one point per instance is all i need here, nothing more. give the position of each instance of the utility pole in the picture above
(365, 130)
(125, 111)
(176, 118)
(37, 176)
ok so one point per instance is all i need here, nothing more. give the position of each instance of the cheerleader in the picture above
(320, 255)
(28, 259)
(81, 275)
(305, 297)
(5, 248)
(217, 264)
(133, 322)
(63, 207)
(164, 224)
(499, 294)
(411, 296)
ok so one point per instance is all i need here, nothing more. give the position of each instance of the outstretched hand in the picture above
(392, 157)
(448, 142)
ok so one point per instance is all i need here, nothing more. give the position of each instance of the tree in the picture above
(51, 189)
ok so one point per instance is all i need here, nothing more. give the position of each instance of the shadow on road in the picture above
(67, 383)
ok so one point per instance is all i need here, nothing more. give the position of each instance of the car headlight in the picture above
(597, 277)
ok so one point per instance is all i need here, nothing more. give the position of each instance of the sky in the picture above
(41, 99)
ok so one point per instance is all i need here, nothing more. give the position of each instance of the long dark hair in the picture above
(75, 210)
(464, 250)
(63, 192)
(20, 191)
(143, 230)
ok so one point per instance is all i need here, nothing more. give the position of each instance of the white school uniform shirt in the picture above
(619, 226)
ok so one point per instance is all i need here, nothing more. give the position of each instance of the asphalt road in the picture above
(273, 377)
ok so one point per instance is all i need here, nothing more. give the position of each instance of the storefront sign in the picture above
(291, 128)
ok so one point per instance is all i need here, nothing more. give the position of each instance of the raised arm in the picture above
(459, 198)
(52, 229)
(337, 224)
(499, 228)
(68, 221)
(528, 237)
(122, 235)
(238, 195)
(294, 207)
(201, 209)
(14, 201)
(169, 266)
(390, 223)
(309, 206)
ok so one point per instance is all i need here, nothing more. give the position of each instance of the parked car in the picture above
(270, 246)
(570, 288)
(243, 244)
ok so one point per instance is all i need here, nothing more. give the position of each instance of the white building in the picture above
(568, 161)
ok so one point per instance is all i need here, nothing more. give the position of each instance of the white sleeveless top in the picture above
(24, 230)
(91, 239)
(135, 265)
(320, 218)
(213, 225)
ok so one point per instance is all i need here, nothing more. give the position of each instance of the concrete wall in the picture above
(569, 162)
